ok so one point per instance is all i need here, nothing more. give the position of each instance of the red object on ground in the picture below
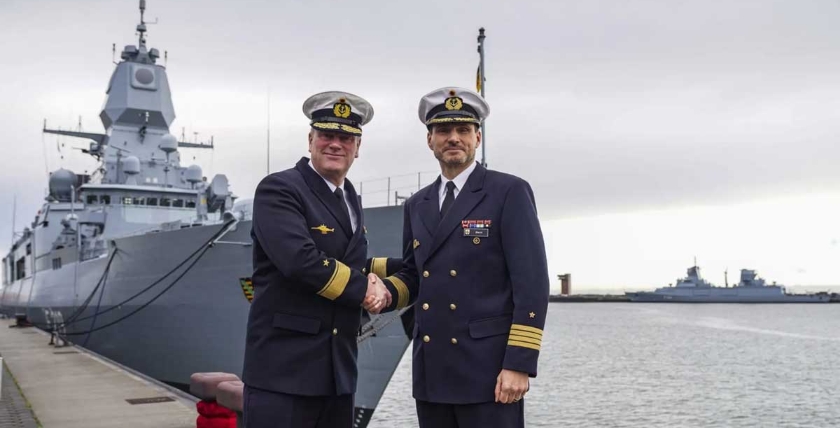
(213, 415)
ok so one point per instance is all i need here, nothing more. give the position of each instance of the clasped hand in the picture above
(377, 297)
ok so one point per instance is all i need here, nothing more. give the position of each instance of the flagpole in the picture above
(481, 82)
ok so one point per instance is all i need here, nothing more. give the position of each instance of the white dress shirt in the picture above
(353, 219)
(460, 180)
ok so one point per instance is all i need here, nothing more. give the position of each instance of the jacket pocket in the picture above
(297, 323)
(490, 326)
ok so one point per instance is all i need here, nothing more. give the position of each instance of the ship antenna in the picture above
(142, 27)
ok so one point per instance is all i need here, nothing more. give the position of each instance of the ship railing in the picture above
(175, 225)
(393, 190)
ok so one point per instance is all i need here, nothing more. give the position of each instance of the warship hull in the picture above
(194, 320)
(147, 261)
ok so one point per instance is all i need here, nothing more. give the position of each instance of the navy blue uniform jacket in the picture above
(479, 281)
(308, 286)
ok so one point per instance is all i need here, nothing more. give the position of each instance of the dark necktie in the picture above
(449, 199)
(340, 195)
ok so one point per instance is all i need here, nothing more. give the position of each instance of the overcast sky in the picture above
(651, 131)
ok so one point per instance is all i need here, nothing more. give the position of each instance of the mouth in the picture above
(334, 155)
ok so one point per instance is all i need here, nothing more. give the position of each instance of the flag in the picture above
(478, 79)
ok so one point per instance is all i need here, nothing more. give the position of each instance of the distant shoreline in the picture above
(620, 298)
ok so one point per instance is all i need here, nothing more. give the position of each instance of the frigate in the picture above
(147, 262)
(750, 289)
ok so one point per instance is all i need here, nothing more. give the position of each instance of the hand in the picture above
(385, 291)
(511, 386)
(377, 296)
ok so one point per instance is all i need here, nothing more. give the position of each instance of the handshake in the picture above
(377, 297)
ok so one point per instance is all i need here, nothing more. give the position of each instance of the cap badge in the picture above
(341, 109)
(454, 103)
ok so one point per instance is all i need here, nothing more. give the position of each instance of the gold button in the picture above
(452, 306)
(426, 339)
(454, 341)
(425, 274)
(453, 273)
(425, 306)
(335, 332)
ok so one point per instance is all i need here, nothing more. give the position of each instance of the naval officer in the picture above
(475, 265)
(309, 288)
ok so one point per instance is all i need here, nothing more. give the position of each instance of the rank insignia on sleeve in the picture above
(323, 229)
(532, 315)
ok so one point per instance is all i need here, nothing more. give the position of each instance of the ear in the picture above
(310, 141)
(358, 146)
(429, 140)
(477, 139)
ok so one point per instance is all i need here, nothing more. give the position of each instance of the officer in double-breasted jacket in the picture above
(475, 268)
(309, 253)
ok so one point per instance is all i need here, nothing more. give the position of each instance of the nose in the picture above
(453, 138)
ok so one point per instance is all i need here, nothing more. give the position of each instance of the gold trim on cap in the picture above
(452, 119)
(332, 126)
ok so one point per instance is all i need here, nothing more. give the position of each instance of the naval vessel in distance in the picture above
(750, 289)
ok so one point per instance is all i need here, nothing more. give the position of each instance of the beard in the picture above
(455, 161)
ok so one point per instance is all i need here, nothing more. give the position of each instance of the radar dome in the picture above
(168, 143)
(61, 184)
(194, 174)
(131, 165)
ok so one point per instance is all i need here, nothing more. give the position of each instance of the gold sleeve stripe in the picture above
(337, 283)
(402, 291)
(525, 335)
(523, 344)
(525, 339)
(526, 329)
(379, 266)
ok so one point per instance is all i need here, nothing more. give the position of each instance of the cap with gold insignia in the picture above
(452, 105)
(337, 111)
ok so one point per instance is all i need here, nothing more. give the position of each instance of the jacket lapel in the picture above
(356, 206)
(467, 199)
(322, 191)
(429, 208)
